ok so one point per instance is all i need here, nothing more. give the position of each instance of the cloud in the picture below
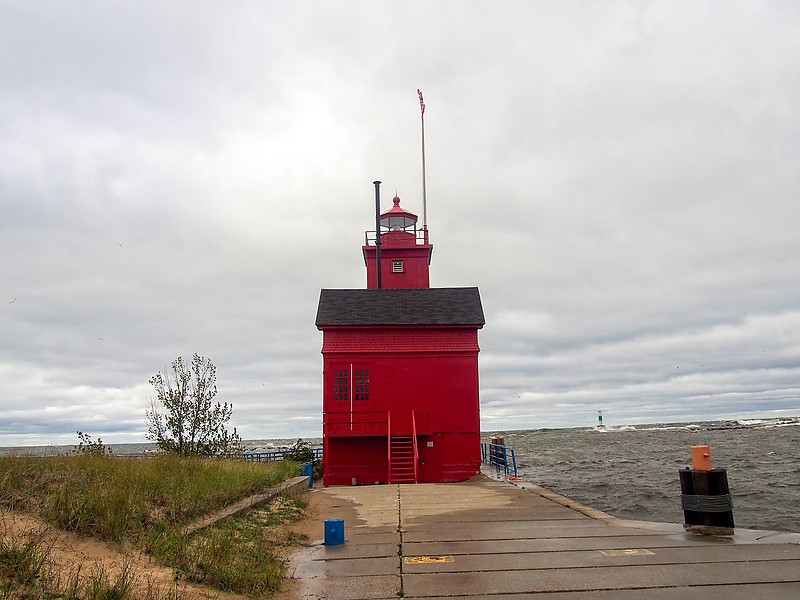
(618, 180)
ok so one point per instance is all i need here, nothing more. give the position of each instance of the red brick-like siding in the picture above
(412, 339)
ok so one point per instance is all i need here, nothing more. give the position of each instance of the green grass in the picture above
(146, 503)
(117, 499)
(242, 555)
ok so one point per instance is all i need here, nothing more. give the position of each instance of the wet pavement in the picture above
(488, 538)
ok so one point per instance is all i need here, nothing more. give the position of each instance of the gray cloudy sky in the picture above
(620, 179)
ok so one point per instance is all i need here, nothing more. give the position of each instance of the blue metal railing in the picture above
(307, 468)
(270, 455)
(499, 457)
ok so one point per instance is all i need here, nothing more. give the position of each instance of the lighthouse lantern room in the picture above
(400, 367)
(405, 251)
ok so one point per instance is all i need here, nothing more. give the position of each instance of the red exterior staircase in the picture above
(402, 461)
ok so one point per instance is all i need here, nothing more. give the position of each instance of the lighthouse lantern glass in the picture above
(396, 222)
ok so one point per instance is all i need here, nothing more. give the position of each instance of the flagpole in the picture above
(424, 184)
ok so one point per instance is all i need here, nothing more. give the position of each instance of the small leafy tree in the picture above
(183, 418)
(303, 452)
(89, 446)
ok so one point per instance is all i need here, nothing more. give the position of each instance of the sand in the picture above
(71, 551)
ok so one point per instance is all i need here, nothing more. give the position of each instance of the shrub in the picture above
(184, 418)
(89, 446)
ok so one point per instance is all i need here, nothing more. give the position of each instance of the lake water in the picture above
(634, 474)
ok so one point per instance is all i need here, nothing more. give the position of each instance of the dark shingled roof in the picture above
(426, 306)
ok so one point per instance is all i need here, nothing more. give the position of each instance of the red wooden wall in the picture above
(432, 371)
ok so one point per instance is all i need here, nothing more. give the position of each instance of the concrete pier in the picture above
(491, 539)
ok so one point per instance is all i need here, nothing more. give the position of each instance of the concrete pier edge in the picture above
(294, 486)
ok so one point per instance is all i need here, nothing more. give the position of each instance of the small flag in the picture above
(421, 104)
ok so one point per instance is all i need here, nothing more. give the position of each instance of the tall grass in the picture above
(145, 503)
(28, 570)
(22, 560)
(118, 499)
(241, 554)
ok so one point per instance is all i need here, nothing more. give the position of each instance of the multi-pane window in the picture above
(341, 384)
(362, 385)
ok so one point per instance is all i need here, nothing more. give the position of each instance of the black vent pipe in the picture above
(377, 185)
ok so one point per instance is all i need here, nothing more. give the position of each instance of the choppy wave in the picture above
(633, 474)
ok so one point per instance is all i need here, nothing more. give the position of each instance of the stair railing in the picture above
(416, 448)
(389, 444)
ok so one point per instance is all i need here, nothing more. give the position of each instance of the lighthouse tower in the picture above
(400, 398)
(405, 251)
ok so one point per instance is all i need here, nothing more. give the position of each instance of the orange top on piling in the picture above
(701, 458)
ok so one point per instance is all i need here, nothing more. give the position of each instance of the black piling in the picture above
(706, 501)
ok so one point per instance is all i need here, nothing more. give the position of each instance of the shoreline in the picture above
(265, 444)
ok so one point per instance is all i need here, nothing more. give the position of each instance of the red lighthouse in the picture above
(400, 367)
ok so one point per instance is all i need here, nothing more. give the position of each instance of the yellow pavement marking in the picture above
(627, 552)
(418, 560)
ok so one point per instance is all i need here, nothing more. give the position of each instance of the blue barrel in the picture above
(334, 532)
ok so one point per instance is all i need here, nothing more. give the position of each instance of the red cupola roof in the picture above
(398, 218)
